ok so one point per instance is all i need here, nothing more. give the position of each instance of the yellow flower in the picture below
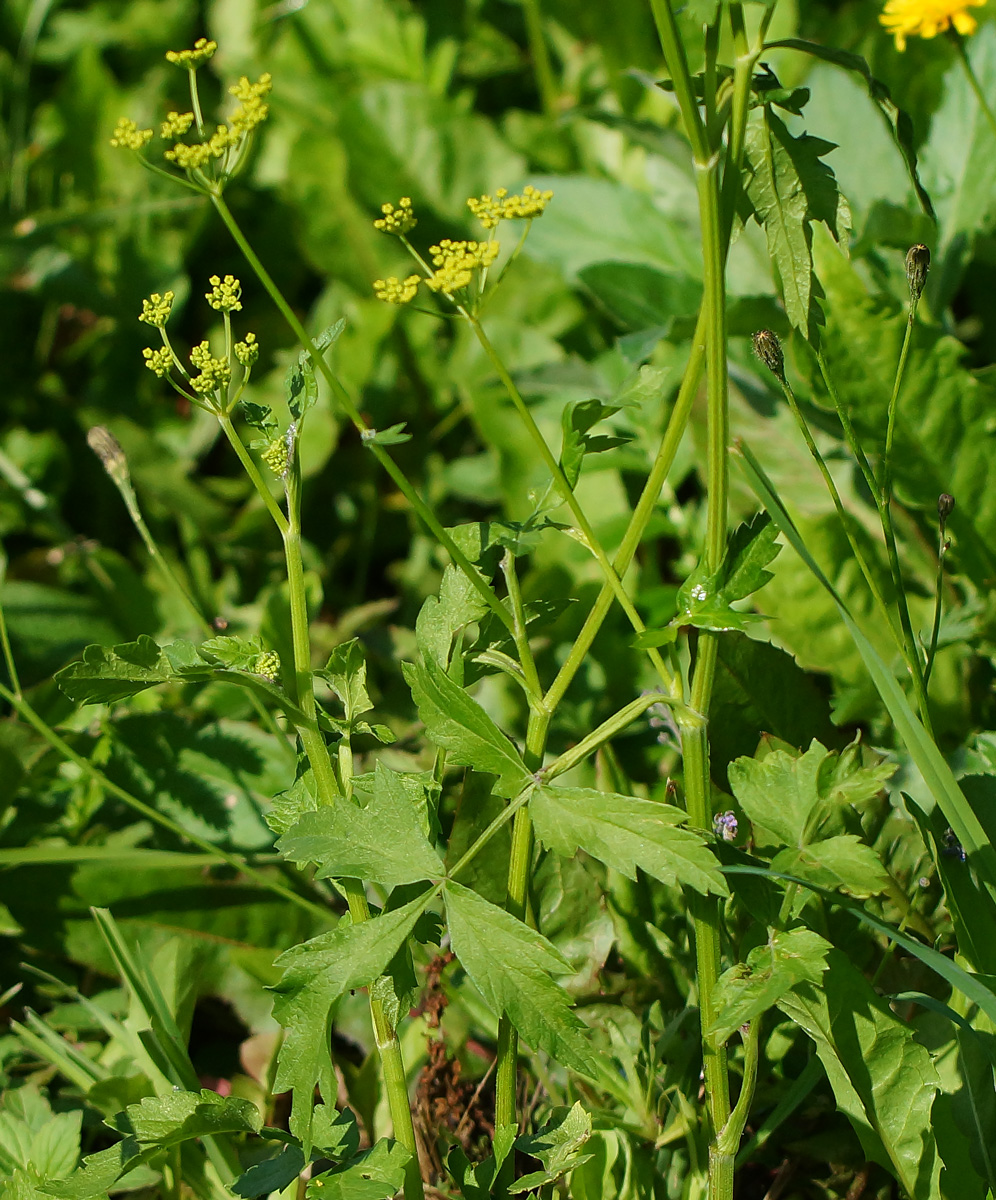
(156, 310)
(927, 18)
(224, 294)
(176, 124)
(396, 291)
(455, 262)
(489, 210)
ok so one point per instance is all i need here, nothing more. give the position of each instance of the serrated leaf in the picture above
(235, 653)
(753, 545)
(179, 1116)
(458, 724)
(779, 792)
(749, 989)
(109, 674)
(513, 966)
(302, 386)
(316, 974)
(884, 1081)
(346, 672)
(382, 842)
(441, 617)
(625, 832)
(558, 1146)
(259, 416)
(789, 188)
(577, 418)
(376, 1174)
(98, 1172)
(838, 862)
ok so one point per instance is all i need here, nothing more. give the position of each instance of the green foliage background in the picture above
(438, 100)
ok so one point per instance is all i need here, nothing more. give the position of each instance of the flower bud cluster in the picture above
(503, 207)
(247, 352)
(396, 291)
(175, 125)
(190, 60)
(277, 456)
(128, 136)
(225, 294)
(397, 220)
(252, 110)
(215, 373)
(455, 263)
(156, 310)
(158, 361)
(267, 664)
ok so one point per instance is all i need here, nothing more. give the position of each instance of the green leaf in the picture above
(640, 297)
(98, 1172)
(271, 1175)
(107, 675)
(260, 416)
(625, 832)
(179, 1116)
(346, 672)
(376, 1174)
(456, 723)
(577, 418)
(558, 1146)
(780, 792)
(884, 1081)
(838, 862)
(898, 121)
(302, 386)
(512, 966)
(752, 546)
(752, 987)
(382, 842)
(315, 975)
(790, 187)
(441, 617)
(394, 435)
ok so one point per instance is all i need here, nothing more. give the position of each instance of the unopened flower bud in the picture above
(107, 448)
(768, 349)
(945, 507)
(917, 266)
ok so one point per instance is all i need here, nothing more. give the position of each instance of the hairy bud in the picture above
(768, 349)
(945, 507)
(107, 448)
(917, 266)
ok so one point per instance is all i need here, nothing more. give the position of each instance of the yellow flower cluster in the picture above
(225, 294)
(191, 158)
(397, 220)
(156, 310)
(276, 456)
(251, 111)
(455, 263)
(158, 361)
(927, 18)
(248, 351)
(215, 373)
(176, 124)
(267, 664)
(489, 210)
(128, 136)
(190, 60)
(396, 291)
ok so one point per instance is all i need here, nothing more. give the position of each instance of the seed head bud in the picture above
(107, 448)
(917, 266)
(768, 349)
(945, 507)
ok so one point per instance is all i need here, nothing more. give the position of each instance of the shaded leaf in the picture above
(513, 966)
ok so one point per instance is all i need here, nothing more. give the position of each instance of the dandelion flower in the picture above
(928, 18)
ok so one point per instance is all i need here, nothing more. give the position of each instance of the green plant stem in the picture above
(506, 1074)
(866, 570)
(729, 1138)
(329, 791)
(890, 431)
(705, 911)
(345, 400)
(854, 445)
(567, 492)
(642, 513)
(8, 653)
(936, 624)
(973, 80)
(526, 660)
(250, 468)
(540, 55)
(233, 860)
